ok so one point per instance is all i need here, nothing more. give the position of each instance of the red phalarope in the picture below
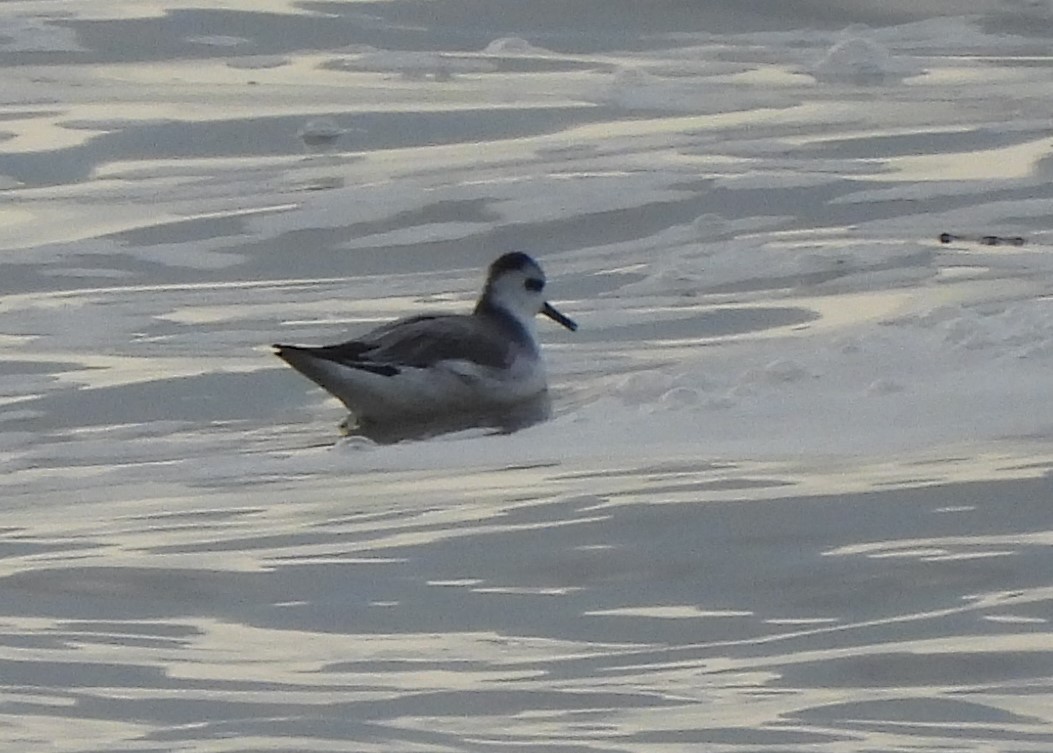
(424, 368)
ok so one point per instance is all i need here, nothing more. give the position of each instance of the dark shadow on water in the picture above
(202, 398)
(504, 420)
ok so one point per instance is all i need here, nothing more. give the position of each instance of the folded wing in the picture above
(422, 342)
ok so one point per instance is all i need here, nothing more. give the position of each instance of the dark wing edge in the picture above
(299, 356)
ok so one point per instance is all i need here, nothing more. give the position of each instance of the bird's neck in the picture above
(515, 326)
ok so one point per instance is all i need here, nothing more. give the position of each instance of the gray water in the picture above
(794, 495)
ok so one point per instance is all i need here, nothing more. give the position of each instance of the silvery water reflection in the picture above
(590, 621)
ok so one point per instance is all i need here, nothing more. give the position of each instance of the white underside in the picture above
(444, 388)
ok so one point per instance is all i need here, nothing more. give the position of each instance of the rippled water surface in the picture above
(691, 604)
(795, 491)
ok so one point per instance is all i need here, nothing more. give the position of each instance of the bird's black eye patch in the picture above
(534, 284)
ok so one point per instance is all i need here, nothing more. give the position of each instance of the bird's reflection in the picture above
(506, 420)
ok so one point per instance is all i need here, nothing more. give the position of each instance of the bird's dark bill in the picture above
(550, 311)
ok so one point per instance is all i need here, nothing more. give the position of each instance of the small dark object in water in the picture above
(985, 240)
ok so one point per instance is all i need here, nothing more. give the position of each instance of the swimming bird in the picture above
(426, 367)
